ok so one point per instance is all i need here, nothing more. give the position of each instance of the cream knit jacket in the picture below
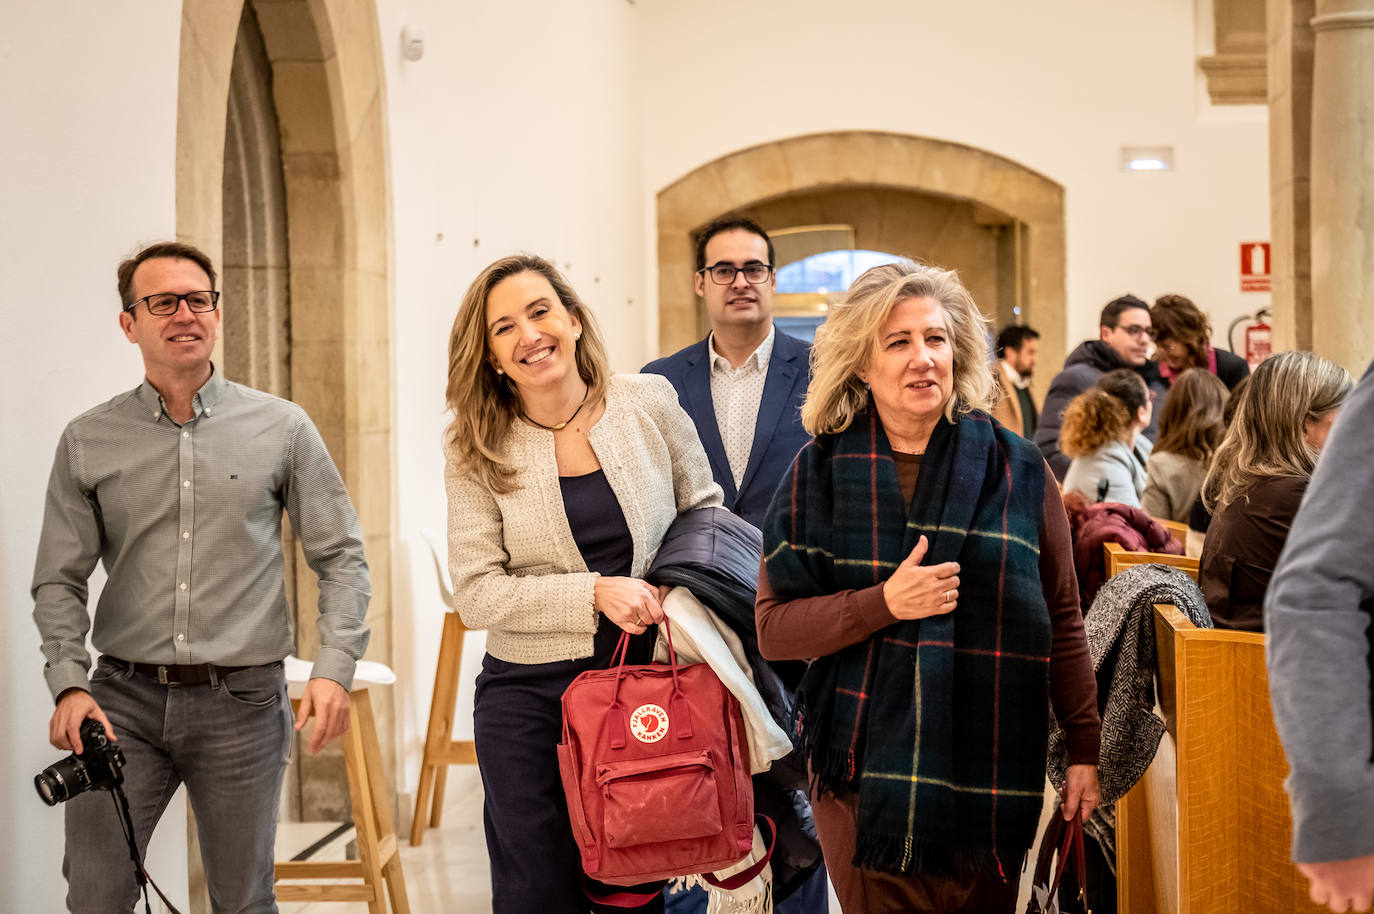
(517, 571)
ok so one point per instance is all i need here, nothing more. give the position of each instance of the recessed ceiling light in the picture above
(1147, 158)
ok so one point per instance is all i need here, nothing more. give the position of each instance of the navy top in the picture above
(597, 523)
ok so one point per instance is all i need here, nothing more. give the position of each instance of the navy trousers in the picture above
(535, 865)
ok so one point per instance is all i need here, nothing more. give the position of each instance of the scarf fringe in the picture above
(903, 855)
(833, 771)
(748, 899)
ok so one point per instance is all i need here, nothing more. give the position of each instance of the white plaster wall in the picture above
(89, 115)
(1058, 87)
(515, 132)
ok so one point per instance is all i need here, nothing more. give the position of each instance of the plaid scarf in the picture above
(949, 761)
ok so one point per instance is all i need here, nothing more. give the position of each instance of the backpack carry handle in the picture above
(622, 649)
(677, 705)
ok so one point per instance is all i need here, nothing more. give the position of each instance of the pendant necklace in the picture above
(564, 423)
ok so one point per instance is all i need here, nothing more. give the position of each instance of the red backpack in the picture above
(655, 765)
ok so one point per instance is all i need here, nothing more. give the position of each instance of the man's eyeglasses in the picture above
(723, 274)
(164, 303)
(1136, 330)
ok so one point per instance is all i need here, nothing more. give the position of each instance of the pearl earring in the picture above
(577, 336)
(500, 371)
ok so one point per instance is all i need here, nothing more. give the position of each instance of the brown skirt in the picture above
(864, 891)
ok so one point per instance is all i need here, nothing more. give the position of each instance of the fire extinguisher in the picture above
(1259, 336)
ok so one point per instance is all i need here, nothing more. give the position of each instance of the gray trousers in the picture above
(228, 741)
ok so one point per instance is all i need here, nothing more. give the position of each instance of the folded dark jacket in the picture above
(715, 554)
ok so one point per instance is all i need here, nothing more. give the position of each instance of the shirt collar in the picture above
(759, 357)
(203, 403)
(1014, 376)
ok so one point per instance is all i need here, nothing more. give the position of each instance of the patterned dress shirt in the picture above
(736, 394)
(186, 520)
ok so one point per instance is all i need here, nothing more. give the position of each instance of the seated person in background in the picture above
(1100, 432)
(1129, 388)
(1258, 477)
(1181, 333)
(1190, 428)
(1124, 343)
(1199, 518)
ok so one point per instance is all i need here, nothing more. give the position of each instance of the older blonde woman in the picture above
(562, 479)
(919, 555)
(1258, 476)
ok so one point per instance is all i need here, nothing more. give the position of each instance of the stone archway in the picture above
(864, 159)
(326, 86)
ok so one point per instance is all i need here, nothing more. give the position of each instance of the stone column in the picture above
(1343, 182)
(1290, 170)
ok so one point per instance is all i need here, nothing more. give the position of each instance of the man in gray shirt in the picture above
(178, 487)
(1317, 615)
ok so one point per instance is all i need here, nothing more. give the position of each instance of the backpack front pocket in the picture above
(668, 798)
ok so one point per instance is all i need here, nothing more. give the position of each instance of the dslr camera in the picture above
(99, 767)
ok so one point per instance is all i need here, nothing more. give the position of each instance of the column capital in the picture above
(1343, 14)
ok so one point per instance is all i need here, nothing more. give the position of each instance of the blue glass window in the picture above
(830, 271)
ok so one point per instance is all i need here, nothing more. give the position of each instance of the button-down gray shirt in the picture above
(187, 522)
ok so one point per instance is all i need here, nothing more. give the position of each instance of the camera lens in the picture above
(51, 789)
(60, 782)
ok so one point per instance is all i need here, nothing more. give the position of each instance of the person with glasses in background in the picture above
(178, 487)
(743, 384)
(743, 387)
(1123, 342)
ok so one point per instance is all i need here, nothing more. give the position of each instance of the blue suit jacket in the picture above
(778, 433)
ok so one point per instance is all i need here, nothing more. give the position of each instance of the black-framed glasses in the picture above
(723, 274)
(165, 303)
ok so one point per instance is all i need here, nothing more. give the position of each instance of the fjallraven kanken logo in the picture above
(649, 723)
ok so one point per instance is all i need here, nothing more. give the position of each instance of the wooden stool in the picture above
(379, 855)
(441, 749)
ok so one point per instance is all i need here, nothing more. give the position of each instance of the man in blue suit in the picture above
(744, 384)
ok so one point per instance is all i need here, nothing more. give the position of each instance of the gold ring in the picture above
(946, 596)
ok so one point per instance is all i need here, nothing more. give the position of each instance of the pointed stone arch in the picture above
(863, 159)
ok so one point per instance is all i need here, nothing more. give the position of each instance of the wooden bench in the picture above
(1177, 530)
(1119, 559)
(1208, 828)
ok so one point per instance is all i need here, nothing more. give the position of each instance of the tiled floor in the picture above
(448, 872)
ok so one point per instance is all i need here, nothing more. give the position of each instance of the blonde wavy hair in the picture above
(844, 344)
(1265, 436)
(1092, 420)
(484, 403)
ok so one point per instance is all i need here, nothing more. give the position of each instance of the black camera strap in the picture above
(126, 823)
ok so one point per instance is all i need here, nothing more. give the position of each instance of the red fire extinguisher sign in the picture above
(1254, 266)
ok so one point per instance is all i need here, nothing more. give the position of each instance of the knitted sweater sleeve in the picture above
(485, 593)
